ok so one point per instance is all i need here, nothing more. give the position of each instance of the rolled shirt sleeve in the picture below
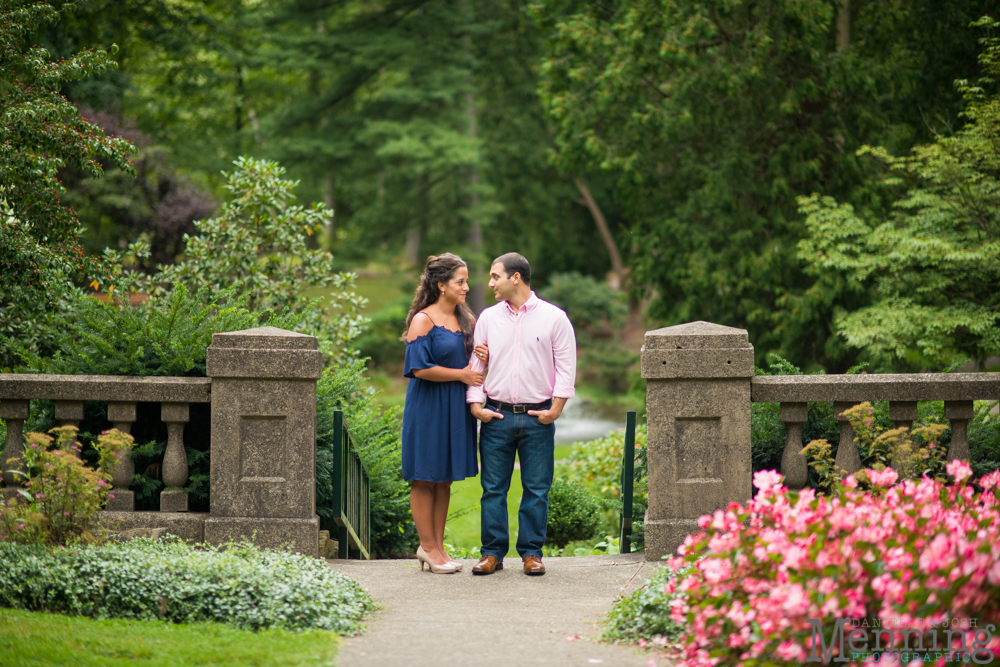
(564, 358)
(476, 394)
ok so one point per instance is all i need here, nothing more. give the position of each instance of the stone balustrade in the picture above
(903, 391)
(68, 392)
(700, 385)
(262, 392)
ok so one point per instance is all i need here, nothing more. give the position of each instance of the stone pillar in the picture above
(122, 416)
(175, 465)
(264, 438)
(794, 465)
(959, 413)
(14, 414)
(848, 459)
(698, 417)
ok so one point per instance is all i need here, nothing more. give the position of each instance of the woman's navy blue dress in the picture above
(439, 431)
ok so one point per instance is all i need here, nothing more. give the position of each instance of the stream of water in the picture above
(583, 420)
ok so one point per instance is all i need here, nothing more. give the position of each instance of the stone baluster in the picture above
(848, 458)
(903, 413)
(794, 465)
(14, 413)
(122, 416)
(175, 467)
(70, 413)
(959, 413)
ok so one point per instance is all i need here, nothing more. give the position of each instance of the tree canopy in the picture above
(933, 264)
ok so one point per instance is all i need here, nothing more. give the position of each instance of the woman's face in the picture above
(456, 288)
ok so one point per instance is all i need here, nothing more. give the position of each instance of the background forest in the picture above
(694, 156)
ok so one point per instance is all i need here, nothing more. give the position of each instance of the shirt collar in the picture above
(528, 305)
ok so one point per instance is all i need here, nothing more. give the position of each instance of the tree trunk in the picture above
(609, 242)
(477, 290)
(844, 24)
(330, 199)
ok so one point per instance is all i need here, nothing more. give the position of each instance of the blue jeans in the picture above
(534, 444)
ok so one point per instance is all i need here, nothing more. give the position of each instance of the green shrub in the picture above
(376, 435)
(240, 585)
(597, 465)
(589, 303)
(61, 498)
(259, 242)
(574, 513)
(645, 614)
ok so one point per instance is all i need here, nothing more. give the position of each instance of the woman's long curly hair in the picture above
(441, 269)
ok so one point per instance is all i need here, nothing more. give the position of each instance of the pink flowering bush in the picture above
(61, 497)
(920, 552)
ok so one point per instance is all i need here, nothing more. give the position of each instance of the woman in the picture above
(439, 431)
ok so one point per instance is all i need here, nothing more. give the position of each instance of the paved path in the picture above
(506, 619)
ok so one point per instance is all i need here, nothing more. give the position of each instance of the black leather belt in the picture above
(518, 408)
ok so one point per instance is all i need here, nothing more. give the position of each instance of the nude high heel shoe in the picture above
(448, 568)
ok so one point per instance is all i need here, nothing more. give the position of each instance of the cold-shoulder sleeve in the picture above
(418, 356)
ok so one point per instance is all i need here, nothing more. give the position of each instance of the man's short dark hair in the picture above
(515, 263)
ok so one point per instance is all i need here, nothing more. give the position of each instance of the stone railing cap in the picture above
(265, 338)
(696, 335)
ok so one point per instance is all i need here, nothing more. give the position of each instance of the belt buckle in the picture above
(519, 409)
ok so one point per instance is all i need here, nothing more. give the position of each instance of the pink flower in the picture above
(715, 569)
(766, 480)
(101, 483)
(990, 481)
(958, 469)
(850, 482)
(885, 477)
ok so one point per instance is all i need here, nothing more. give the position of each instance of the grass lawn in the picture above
(29, 639)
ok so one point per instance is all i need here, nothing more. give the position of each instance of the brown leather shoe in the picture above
(533, 565)
(487, 565)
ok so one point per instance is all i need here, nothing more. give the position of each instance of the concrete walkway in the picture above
(506, 619)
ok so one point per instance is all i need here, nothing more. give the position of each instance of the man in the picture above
(532, 369)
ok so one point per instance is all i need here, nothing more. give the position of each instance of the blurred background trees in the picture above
(689, 130)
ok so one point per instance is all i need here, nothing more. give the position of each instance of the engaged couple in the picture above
(513, 370)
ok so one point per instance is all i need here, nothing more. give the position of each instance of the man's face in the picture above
(503, 286)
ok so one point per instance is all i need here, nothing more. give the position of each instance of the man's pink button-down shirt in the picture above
(532, 353)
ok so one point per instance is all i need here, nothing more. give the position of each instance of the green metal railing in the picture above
(351, 495)
(628, 479)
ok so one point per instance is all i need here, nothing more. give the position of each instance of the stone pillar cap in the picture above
(263, 353)
(696, 336)
(265, 338)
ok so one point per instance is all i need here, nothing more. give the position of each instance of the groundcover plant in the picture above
(771, 579)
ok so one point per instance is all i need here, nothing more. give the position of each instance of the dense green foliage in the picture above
(376, 435)
(934, 263)
(41, 131)
(715, 116)
(645, 614)
(241, 585)
(574, 513)
(34, 638)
